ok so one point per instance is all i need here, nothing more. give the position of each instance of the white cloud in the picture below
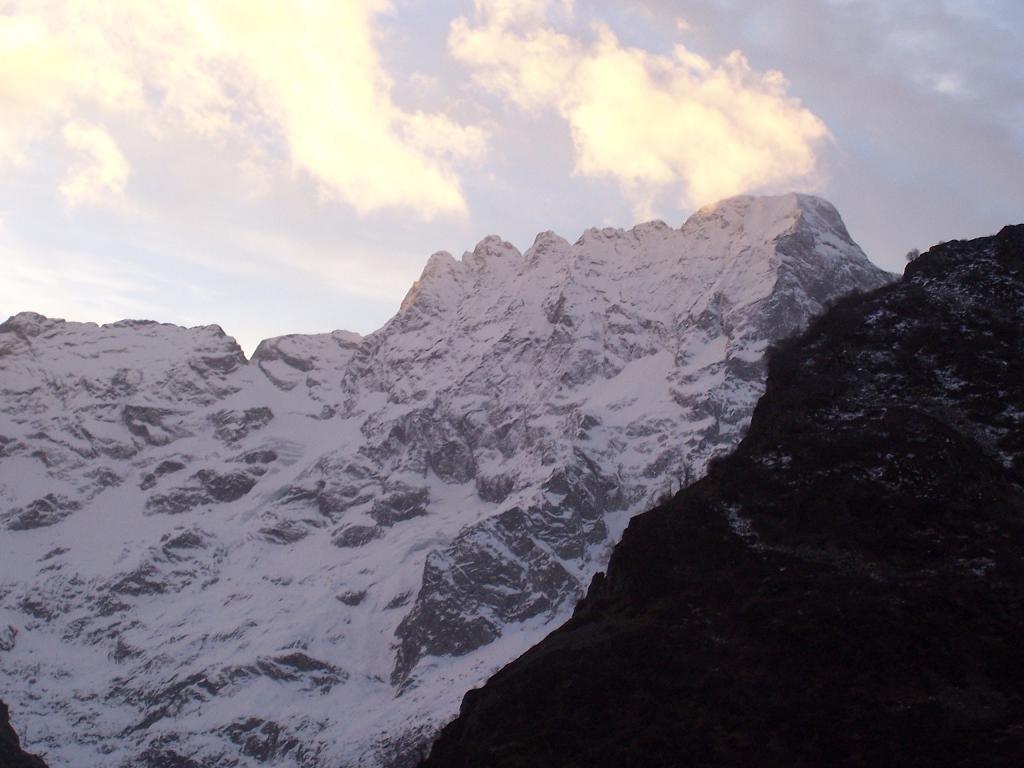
(654, 124)
(262, 74)
(98, 177)
(504, 13)
(38, 77)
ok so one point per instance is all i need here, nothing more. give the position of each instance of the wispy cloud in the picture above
(99, 175)
(652, 123)
(303, 80)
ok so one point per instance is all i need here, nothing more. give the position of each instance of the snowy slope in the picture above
(307, 558)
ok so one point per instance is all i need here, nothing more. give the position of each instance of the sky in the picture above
(288, 167)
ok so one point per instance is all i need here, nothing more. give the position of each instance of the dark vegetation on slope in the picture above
(846, 589)
(11, 754)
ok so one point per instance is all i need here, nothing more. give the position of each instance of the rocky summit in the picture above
(307, 557)
(845, 589)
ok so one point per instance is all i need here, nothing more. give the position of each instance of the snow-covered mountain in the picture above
(307, 558)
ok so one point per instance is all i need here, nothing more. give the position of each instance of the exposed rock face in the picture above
(845, 589)
(11, 753)
(408, 511)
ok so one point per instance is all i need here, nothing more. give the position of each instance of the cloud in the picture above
(98, 178)
(39, 77)
(653, 124)
(301, 83)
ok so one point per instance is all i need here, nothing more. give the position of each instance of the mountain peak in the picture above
(599, 234)
(651, 227)
(769, 216)
(490, 250)
(439, 263)
(27, 324)
(780, 205)
(448, 484)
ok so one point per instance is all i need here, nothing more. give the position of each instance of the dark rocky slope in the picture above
(847, 588)
(11, 753)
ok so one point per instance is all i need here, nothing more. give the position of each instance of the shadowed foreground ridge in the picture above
(11, 753)
(847, 588)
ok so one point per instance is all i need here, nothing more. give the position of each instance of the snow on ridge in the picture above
(765, 215)
(311, 555)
